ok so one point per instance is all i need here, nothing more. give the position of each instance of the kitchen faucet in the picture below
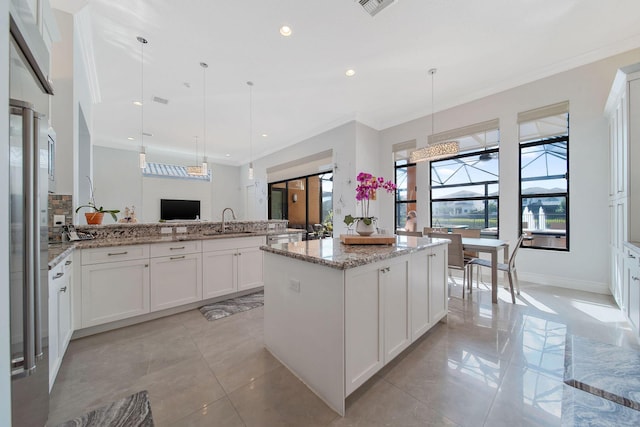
(233, 215)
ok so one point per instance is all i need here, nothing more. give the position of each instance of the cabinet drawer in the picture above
(232, 243)
(67, 264)
(175, 248)
(114, 253)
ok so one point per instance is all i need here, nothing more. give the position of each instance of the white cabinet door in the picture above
(438, 298)
(218, 273)
(632, 288)
(175, 280)
(394, 280)
(419, 277)
(59, 315)
(249, 268)
(114, 290)
(364, 354)
(55, 276)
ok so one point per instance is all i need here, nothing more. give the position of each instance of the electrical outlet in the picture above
(181, 229)
(58, 220)
(294, 285)
(166, 230)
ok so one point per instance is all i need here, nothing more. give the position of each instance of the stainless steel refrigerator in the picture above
(28, 181)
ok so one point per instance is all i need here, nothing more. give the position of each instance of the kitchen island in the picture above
(335, 314)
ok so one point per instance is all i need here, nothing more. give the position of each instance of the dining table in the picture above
(491, 246)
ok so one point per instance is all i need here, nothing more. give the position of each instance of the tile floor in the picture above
(490, 365)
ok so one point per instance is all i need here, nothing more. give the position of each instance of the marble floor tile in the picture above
(488, 365)
(278, 398)
(379, 403)
(604, 370)
(527, 397)
(585, 409)
(220, 413)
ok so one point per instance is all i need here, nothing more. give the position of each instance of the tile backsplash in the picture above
(59, 204)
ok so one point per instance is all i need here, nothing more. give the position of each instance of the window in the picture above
(161, 170)
(465, 188)
(307, 202)
(405, 180)
(544, 177)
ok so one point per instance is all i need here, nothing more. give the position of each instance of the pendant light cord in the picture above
(204, 110)
(432, 71)
(250, 122)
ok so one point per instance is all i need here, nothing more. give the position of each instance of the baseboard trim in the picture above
(565, 282)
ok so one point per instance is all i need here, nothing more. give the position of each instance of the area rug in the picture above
(132, 411)
(226, 308)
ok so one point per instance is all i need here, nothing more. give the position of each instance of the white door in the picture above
(394, 281)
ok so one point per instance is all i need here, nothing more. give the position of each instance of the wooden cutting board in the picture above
(376, 239)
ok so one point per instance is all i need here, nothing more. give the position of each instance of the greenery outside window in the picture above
(544, 177)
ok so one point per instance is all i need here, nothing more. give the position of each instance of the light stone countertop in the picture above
(335, 254)
(58, 251)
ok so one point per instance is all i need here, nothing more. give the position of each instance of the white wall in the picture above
(586, 88)
(72, 95)
(342, 140)
(118, 182)
(5, 356)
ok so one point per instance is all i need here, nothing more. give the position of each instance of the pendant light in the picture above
(250, 84)
(205, 166)
(196, 170)
(142, 157)
(438, 150)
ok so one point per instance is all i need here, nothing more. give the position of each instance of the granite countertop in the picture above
(333, 253)
(58, 251)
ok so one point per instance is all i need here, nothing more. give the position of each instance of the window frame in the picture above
(397, 202)
(535, 143)
(486, 198)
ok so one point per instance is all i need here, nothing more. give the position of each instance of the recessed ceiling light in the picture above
(350, 73)
(285, 30)
(130, 138)
(227, 155)
(264, 135)
(138, 103)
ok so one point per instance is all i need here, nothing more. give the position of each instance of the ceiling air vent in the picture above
(372, 7)
(160, 100)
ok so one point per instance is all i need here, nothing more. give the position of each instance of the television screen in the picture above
(171, 209)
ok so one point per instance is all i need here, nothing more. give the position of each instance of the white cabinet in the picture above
(60, 330)
(631, 288)
(176, 277)
(230, 265)
(428, 279)
(394, 282)
(438, 289)
(623, 111)
(114, 290)
(364, 352)
(377, 321)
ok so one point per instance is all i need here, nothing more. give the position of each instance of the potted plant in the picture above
(95, 217)
(366, 191)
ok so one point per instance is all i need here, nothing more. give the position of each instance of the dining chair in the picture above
(457, 261)
(409, 233)
(509, 268)
(469, 232)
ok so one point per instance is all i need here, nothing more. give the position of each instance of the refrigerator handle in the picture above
(35, 224)
(30, 269)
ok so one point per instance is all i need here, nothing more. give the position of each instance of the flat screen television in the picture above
(172, 209)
